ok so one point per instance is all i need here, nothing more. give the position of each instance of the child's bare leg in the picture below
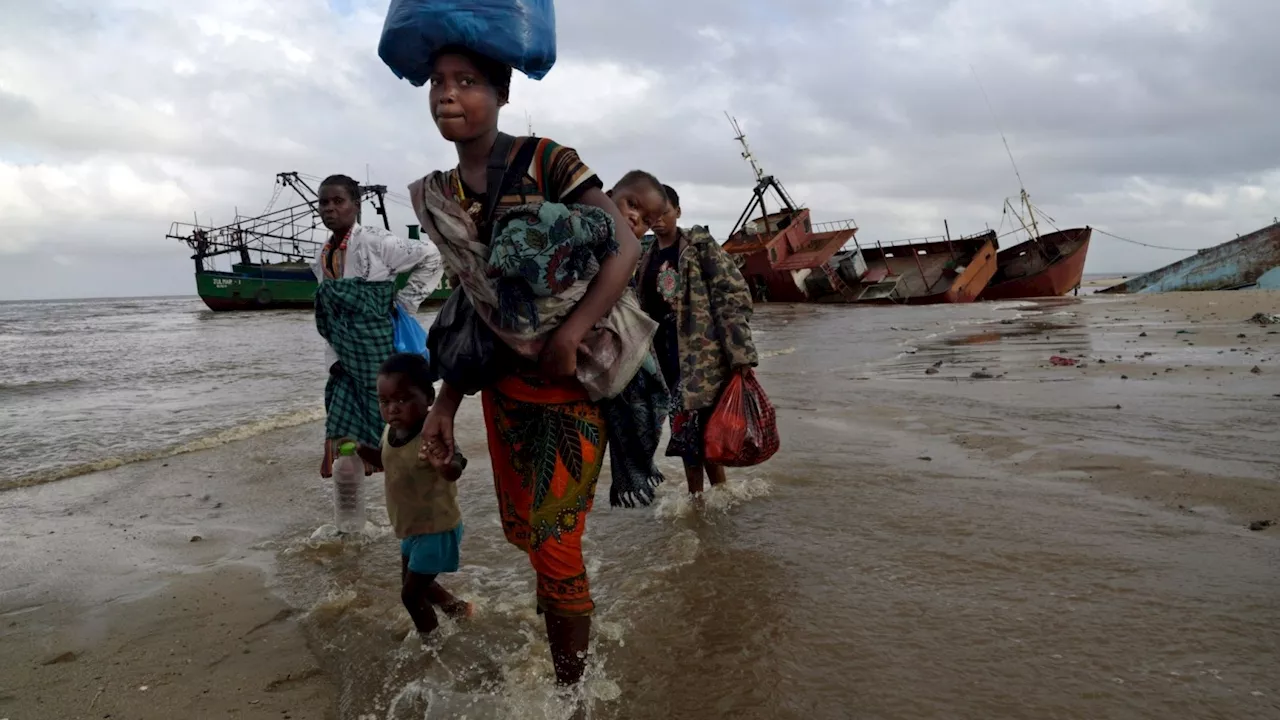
(716, 473)
(449, 603)
(416, 596)
(695, 476)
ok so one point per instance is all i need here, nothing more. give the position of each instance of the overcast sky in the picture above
(1152, 119)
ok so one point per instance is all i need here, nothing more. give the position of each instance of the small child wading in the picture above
(421, 501)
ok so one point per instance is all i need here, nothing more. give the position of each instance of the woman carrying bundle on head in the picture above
(543, 258)
(693, 289)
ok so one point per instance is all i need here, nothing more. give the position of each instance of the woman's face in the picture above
(464, 105)
(337, 208)
(641, 205)
(665, 225)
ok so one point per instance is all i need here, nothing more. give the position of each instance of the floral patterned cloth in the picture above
(546, 443)
(612, 351)
(541, 250)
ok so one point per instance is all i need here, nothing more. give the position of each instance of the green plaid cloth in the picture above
(354, 316)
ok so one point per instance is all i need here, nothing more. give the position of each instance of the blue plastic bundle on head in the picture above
(520, 33)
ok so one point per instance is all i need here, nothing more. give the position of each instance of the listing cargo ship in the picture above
(270, 254)
(785, 257)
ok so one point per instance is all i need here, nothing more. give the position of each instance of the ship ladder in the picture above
(838, 283)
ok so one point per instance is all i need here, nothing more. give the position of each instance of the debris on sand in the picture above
(62, 659)
(1260, 525)
(981, 375)
(1059, 361)
(1265, 319)
(1256, 370)
(931, 371)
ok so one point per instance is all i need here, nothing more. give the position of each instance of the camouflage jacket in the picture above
(713, 315)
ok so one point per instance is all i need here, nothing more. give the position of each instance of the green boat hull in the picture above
(231, 291)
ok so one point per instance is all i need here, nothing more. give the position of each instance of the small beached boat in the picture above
(1248, 261)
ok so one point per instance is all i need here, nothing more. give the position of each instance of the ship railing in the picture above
(834, 226)
(276, 238)
(184, 230)
(893, 243)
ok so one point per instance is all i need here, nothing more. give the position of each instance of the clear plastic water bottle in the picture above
(348, 490)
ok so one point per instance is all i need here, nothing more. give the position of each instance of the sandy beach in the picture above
(965, 527)
(143, 591)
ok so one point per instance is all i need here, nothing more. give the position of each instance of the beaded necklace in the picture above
(337, 270)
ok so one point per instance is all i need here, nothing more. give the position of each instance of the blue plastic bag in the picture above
(409, 336)
(520, 33)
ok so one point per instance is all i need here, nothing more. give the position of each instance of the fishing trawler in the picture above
(267, 258)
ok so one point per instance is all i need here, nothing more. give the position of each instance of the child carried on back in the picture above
(422, 502)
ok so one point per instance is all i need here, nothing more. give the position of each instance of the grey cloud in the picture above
(862, 108)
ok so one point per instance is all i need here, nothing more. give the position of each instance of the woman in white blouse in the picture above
(369, 253)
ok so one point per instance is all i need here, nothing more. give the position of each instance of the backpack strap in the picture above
(497, 172)
(501, 174)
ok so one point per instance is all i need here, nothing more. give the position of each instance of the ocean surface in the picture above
(88, 385)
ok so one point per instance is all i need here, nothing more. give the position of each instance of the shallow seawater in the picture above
(847, 577)
(880, 566)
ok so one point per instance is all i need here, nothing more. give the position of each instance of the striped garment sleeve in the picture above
(564, 176)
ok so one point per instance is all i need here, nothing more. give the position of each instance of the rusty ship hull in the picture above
(1049, 266)
(911, 273)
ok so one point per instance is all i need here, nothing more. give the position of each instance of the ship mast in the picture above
(763, 184)
(1025, 199)
(746, 149)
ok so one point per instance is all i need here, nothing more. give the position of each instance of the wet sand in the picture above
(1171, 398)
(145, 591)
(1037, 541)
(1097, 283)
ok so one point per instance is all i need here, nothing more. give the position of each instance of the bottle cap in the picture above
(347, 448)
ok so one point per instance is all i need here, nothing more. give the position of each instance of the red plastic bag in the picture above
(743, 429)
